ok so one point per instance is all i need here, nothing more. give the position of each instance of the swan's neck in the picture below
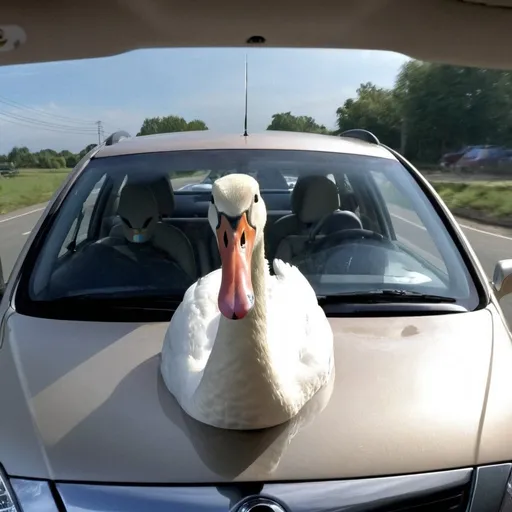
(247, 338)
(239, 379)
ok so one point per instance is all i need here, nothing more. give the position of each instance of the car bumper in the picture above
(472, 489)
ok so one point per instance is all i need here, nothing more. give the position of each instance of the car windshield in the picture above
(135, 228)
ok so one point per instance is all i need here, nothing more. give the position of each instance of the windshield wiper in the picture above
(384, 296)
(119, 300)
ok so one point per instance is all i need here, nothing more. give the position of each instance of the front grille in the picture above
(442, 491)
(452, 500)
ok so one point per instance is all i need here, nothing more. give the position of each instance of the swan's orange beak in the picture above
(235, 237)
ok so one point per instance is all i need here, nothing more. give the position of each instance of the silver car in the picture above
(420, 413)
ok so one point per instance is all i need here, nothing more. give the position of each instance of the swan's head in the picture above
(237, 216)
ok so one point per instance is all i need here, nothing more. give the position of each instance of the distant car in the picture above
(8, 170)
(203, 186)
(450, 159)
(483, 158)
(290, 180)
(420, 416)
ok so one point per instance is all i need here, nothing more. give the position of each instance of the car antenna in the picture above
(245, 120)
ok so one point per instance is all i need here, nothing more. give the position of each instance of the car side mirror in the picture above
(502, 278)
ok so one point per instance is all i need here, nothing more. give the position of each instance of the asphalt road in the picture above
(490, 243)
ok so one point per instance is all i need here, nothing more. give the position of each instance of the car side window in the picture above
(472, 153)
(80, 226)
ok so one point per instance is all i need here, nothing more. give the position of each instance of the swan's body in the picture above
(260, 369)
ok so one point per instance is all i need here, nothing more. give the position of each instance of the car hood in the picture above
(84, 401)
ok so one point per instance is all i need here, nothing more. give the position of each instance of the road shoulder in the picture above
(35, 208)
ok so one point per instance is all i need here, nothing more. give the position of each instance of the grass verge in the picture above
(35, 186)
(492, 198)
(29, 187)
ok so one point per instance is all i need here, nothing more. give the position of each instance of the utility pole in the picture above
(403, 135)
(99, 131)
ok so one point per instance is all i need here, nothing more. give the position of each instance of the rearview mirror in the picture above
(502, 278)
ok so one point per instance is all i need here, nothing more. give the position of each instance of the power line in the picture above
(46, 128)
(44, 123)
(68, 119)
(67, 132)
(54, 122)
(47, 124)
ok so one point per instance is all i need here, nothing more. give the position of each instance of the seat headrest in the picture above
(162, 190)
(313, 197)
(138, 210)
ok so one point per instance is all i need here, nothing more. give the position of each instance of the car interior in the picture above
(150, 209)
(139, 226)
(460, 32)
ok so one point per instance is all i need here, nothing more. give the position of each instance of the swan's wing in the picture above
(294, 278)
(191, 333)
(298, 325)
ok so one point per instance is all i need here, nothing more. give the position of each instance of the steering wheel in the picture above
(339, 237)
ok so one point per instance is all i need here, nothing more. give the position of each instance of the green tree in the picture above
(85, 151)
(196, 125)
(70, 158)
(169, 124)
(447, 107)
(375, 109)
(22, 157)
(286, 121)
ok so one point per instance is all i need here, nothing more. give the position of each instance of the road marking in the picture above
(463, 226)
(21, 215)
(26, 233)
(409, 221)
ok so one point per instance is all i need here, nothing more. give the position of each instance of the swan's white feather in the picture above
(258, 371)
(299, 337)
(189, 338)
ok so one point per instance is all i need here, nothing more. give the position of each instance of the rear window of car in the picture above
(350, 223)
(474, 153)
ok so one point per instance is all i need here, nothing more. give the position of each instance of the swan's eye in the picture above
(256, 198)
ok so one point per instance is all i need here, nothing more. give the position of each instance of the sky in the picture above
(55, 105)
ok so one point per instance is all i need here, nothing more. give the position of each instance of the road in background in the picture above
(14, 230)
(491, 244)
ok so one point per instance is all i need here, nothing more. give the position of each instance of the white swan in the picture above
(246, 350)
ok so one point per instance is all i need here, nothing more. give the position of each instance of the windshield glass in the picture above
(135, 227)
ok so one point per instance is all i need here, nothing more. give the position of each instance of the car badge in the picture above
(259, 504)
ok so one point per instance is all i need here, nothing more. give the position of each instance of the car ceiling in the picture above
(462, 32)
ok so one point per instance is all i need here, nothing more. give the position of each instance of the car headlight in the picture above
(7, 503)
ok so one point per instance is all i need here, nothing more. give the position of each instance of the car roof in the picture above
(463, 32)
(276, 140)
